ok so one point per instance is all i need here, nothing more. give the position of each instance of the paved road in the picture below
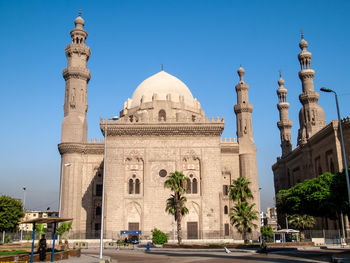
(206, 256)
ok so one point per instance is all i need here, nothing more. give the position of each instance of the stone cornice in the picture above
(166, 129)
(81, 148)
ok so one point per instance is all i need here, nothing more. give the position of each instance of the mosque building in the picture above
(160, 130)
(318, 145)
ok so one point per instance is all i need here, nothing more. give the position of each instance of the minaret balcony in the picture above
(283, 105)
(285, 124)
(239, 108)
(311, 97)
(76, 72)
(306, 74)
(80, 49)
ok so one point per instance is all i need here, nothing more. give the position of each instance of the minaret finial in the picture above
(302, 33)
(80, 12)
(162, 68)
(280, 71)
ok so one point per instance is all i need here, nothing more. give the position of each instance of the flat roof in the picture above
(46, 220)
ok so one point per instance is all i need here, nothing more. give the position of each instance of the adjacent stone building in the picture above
(161, 129)
(318, 148)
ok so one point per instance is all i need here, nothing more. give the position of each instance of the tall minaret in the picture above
(77, 76)
(247, 150)
(311, 115)
(243, 111)
(284, 124)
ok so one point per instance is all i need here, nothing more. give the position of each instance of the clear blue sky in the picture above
(200, 42)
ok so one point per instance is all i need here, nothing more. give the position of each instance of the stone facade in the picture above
(161, 129)
(319, 147)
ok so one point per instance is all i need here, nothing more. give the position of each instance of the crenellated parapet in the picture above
(171, 127)
(229, 140)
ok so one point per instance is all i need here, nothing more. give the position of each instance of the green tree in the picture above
(266, 231)
(159, 237)
(243, 216)
(324, 196)
(11, 211)
(301, 222)
(177, 182)
(40, 229)
(240, 191)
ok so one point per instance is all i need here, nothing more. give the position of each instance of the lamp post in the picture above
(345, 163)
(60, 194)
(103, 185)
(24, 209)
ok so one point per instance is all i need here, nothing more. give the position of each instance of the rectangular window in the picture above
(225, 190)
(99, 190)
(227, 229)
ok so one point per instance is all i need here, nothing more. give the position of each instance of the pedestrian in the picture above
(42, 248)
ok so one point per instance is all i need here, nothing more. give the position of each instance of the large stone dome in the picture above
(162, 84)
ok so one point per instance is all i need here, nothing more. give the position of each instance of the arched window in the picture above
(188, 187)
(137, 186)
(161, 115)
(225, 210)
(98, 210)
(194, 186)
(131, 186)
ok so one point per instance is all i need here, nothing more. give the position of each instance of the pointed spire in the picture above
(162, 68)
(303, 43)
(241, 72)
(280, 81)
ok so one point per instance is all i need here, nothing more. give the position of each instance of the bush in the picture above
(7, 239)
(159, 237)
(27, 238)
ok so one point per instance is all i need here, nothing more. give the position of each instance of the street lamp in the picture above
(103, 185)
(60, 194)
(24, 209)
(345, 163)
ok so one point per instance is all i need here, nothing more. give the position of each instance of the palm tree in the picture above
(301, 222)
(64, 229)
(40, 229)
(170, 206)
(242, 216)
(240, 191)
(177, 182)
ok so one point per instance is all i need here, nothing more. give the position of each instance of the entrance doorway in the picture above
(192, 230)
(133, 227)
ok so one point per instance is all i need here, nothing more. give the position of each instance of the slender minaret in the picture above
(243, 111)
(311, 115)
(247, 150)
(77, 76)
(284, 124)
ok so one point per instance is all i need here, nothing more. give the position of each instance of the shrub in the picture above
(27, 238)
(7, 239)
(159, 237)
